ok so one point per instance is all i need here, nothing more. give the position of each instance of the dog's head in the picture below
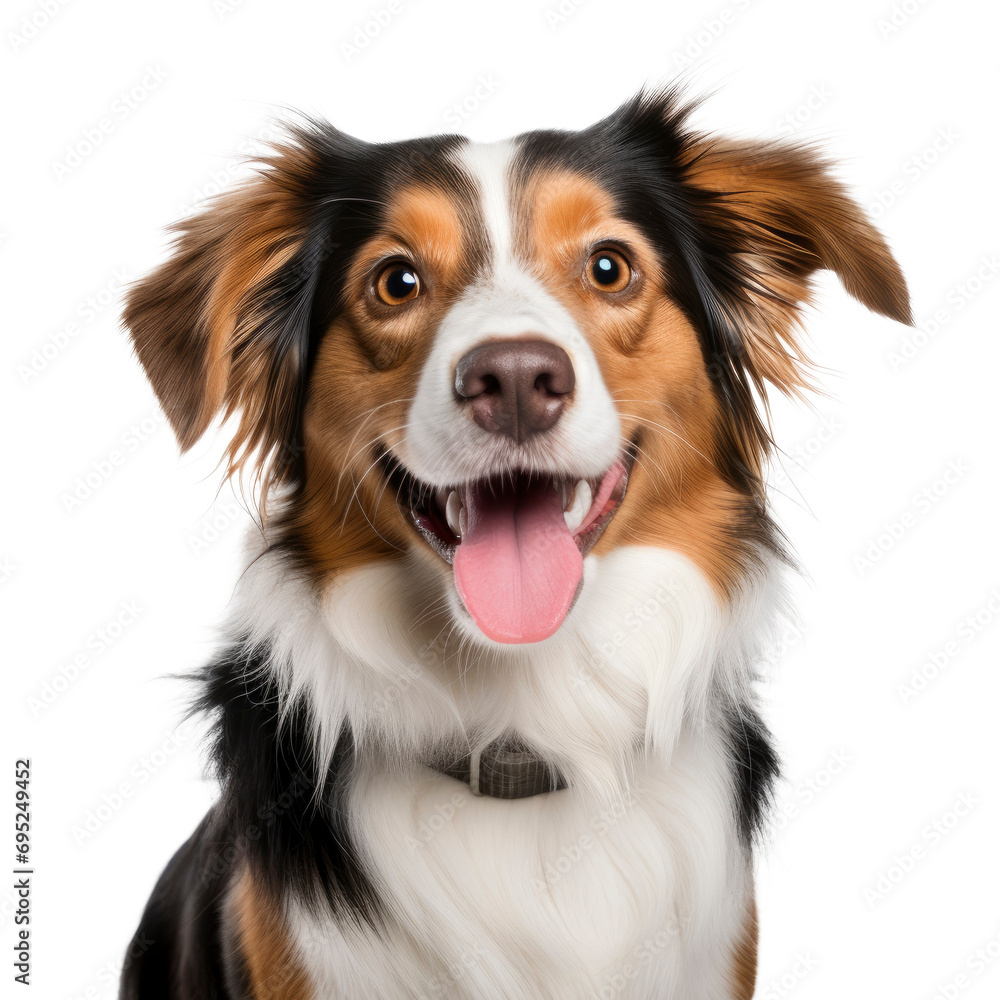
(502, 357)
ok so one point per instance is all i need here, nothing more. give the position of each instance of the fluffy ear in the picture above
(224, 324)
(786, 216)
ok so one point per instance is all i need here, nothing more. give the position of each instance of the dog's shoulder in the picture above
(177, 950)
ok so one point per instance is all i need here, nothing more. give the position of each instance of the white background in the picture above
(214, 74)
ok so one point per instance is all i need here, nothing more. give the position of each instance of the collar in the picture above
(504, 769)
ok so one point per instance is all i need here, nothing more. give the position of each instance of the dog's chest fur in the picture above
(476, 383)
(632, 882)
(551, 896)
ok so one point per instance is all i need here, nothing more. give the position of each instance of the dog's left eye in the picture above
(397, 283)
(608, 271)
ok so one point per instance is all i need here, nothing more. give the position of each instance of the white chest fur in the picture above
(629, 884)
(553, 896)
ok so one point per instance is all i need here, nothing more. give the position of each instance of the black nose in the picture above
(515, 387)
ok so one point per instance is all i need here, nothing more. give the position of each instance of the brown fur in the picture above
(789, 216)
(201, 325)
(364, 378)
(195, 321)
(744, 967)
(272, 969)
(653, 367)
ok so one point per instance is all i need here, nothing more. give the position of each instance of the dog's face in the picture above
(501, 358)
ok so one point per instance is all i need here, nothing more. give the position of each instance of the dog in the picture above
(485, 724)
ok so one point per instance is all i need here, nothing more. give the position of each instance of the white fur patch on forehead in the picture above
(488, 165)
(442, 445)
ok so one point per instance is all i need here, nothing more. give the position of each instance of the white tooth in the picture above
(453, 512)
(583, 497)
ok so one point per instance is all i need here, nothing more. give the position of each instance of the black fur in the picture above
(344, 190)
(284, 816)
(637, 153)
(179, 949)
(755, 769)
(277, 813)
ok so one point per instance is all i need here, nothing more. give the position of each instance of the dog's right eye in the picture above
(608, 271)
(397, 283)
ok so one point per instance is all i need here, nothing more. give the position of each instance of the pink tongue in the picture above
(517, 567)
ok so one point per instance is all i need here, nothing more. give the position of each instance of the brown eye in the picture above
(397, 283)
(608, 271)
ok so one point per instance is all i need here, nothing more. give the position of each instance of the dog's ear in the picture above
(785, 216)
(224, 324)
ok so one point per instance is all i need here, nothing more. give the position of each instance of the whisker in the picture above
(364, 420)
(347, 467)
(354, 496)
(430, 609)
(669, 430)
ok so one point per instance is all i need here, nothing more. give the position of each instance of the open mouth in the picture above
(516, 542)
